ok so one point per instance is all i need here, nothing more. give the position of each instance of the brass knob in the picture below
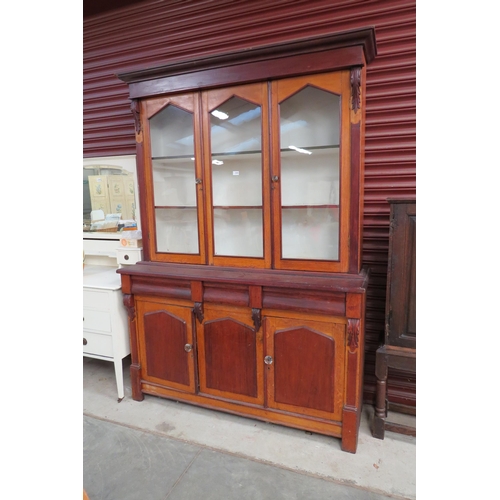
(275, 178)
(188, 347)
(84, 341)
(268, 360)
(126, 257)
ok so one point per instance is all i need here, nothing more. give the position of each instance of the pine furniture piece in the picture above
(251, 295)
(399, 350)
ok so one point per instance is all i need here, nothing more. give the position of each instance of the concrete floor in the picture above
(161, 449)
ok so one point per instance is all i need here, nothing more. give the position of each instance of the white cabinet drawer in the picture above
(128, 255)
(96, 320)
(98, 344)
(95, 299)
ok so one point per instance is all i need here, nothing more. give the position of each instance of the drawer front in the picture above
(96, 320)
(96, 299)
(128, 255)
(98, 344)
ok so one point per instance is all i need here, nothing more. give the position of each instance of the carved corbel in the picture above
(257, 319)
(128, 302)
(355, 89)
(134, 106)
(353, 328)
(198, 311)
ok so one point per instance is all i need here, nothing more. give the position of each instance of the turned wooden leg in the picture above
(380, 396)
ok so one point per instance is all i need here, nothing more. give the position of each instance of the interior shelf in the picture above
(241, 153)
(175, 206)
(310, 205)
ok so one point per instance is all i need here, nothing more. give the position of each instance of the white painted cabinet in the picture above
(105, 327)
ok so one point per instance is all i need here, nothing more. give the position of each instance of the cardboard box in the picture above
(131, 243)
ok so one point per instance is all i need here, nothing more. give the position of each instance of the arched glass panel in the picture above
(174, 181)
(310, 165)
(236, 137)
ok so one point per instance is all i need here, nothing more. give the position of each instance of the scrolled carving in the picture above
(353, 329)
(355, 89)
(128, 302)
(257, 319)
(198, 311)
(134, 106)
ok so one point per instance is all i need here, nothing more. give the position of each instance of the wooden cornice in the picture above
(319, 53)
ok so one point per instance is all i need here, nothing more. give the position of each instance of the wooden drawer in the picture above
(98, 344)
(95, 299)
(96, 320)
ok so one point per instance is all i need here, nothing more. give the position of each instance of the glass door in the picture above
(176, 220)
(236, 163)
(310, 173)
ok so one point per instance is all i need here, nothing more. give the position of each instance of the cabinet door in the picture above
(230, 355)
(174, 179)
(401, 321)
(166, 349)
(237, 175)
(311, 172)
(305, 366)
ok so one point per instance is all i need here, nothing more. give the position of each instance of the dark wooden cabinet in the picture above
(251, 296)
(399, 349)
(401, 277)
(276, 345)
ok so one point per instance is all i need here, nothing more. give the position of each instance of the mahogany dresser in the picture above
(251, 295)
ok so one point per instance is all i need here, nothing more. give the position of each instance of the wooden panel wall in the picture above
(155, 32)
